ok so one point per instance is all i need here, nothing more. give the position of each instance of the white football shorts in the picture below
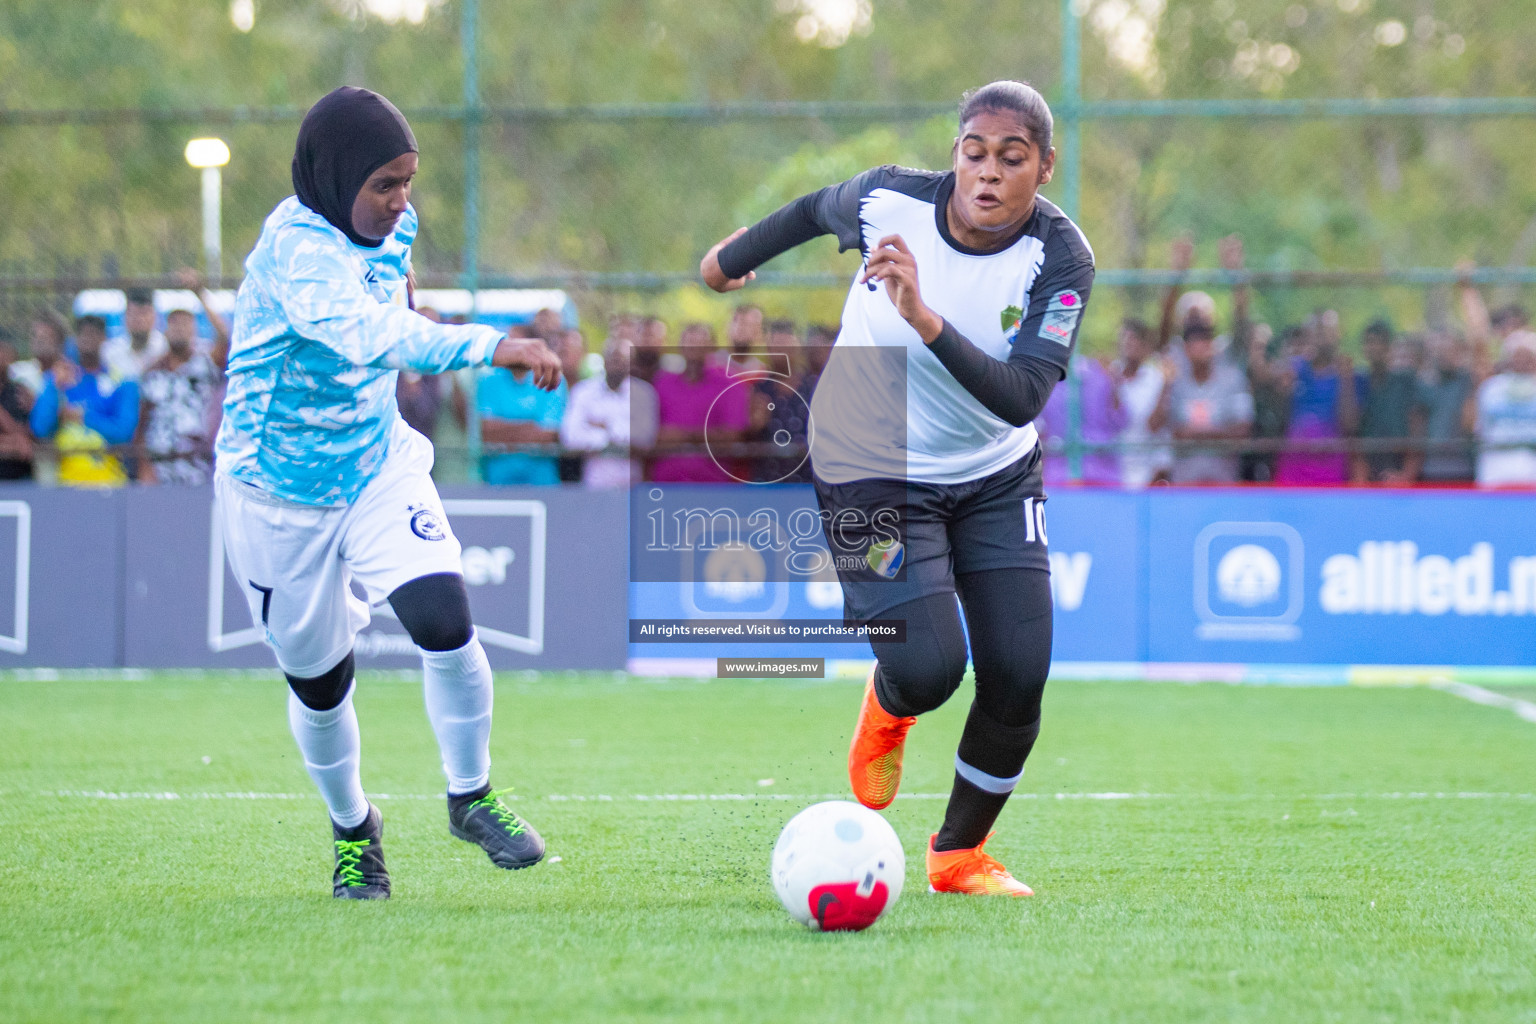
(297, 563)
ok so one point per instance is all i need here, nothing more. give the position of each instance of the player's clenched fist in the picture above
(893, 263)
(529, 354)
(709, 266)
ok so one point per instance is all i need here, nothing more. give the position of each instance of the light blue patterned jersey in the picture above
(321, 331)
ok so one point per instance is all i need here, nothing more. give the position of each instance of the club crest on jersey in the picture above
(1061, 315)
(426, 525)
(1013, 318)
(885, 557)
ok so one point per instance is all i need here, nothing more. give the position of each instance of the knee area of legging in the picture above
(445, 633)
(1016, 713)
(1013, 700)
(327, 690)
(435, 611)
(920, 674)
(1009, 689)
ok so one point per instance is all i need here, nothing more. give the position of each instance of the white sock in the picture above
(331, 747)
(459, 694)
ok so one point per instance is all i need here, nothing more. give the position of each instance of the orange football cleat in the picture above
(874, 757)
(971, 871)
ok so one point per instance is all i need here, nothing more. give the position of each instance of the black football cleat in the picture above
(360, 872)
(481, 818)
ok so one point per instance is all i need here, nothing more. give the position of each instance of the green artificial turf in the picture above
(1283, 856)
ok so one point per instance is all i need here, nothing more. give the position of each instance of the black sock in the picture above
(969, 816)
(995, 751)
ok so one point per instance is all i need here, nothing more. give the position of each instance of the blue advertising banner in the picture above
(1342, 578)
(544, 568)
(1168, 577)
(1096, 541)
(138, 578)
(1231, 577)
(702, 552)
(61, 584)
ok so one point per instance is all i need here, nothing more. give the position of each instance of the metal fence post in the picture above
(1068, 142)
(474, 114)
(1068, 113)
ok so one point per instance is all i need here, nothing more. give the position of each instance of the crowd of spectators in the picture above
(1186, 401)
(93, 409)
(689, 411)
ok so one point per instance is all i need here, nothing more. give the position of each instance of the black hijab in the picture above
(345, 137)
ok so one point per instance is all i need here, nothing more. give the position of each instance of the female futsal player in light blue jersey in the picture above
(321, 484)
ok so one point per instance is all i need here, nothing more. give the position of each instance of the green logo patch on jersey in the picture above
(885, 557)
(1011, 317)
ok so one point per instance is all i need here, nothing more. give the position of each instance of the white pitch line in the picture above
(103, 794)
(1477, 695)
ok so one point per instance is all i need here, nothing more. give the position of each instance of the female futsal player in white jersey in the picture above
(320, 483)
(976, 285)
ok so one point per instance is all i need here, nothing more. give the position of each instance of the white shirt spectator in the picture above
(1506, 426)
(1222, 401)
(1139, 395)
(29, 374)
(598, 417)
(124, 362)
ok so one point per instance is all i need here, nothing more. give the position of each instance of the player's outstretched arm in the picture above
(529, 354)
(833, 210)
(194, 282)
(323, 298)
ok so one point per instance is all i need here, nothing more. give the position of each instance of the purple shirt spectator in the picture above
(1315, 415)
(684, 401)
(1101, 420)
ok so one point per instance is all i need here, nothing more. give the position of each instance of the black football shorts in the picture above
(894, 541)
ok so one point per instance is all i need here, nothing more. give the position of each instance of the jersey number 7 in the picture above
(266, 599)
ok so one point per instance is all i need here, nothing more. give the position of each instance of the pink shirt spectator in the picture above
(685, 403)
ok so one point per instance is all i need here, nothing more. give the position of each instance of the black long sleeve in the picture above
(833, 210)
(1014, 391)
(788, 226)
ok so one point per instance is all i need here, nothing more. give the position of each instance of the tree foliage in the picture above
(653, 194)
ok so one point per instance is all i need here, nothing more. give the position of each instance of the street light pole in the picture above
(212, 242)
(209, 155)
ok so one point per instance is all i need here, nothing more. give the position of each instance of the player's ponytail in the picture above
(1017, 98)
